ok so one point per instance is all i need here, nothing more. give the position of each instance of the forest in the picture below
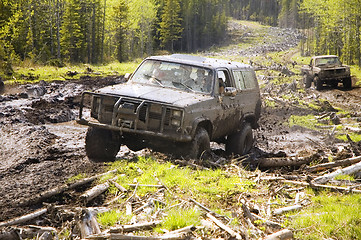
(55, 32)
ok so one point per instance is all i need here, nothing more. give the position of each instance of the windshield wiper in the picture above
(155, 79)
(182, 84)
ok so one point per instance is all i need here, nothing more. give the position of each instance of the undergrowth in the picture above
(214, 188)
(331, 216)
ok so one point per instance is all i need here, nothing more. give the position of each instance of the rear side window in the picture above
(245, 79)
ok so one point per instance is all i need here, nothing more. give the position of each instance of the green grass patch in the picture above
(112, 217)
(354, 137)
(331, 216)
(308, 121)
(345, 177)
(76, 178)
(178, 218)
(35, 73)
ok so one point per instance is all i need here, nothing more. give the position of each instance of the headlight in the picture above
(176, 122)
(177, 113)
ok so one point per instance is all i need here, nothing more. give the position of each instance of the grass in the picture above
(214, 188)
(30, 73)
(331, 216)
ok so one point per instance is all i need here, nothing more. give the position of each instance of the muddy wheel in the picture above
(307, 81)
(240, 142)
(199, 144)
(318, 83)
(100, 146)
(347, 83)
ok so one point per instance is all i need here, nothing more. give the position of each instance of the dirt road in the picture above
(41, 146)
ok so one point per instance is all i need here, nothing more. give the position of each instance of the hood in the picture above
(171, 96)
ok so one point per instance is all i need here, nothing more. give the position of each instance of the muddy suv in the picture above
(326, 69)
(175, 104)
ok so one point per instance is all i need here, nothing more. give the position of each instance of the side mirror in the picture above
(127, 76)
(230, 91)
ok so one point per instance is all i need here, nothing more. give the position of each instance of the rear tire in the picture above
(318, 83)
(347, 83)
(240, 142)
(199, 144)
(100, 145)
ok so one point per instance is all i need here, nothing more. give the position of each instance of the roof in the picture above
(200, 61)
(326, 56)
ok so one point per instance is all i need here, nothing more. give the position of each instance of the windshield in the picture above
(174, 75)
(327, 61)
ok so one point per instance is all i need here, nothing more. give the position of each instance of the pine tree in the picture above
(170, 26)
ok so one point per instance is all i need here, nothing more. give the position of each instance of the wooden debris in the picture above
(146, 185)
(24, 218)
(94, 192)
(332, 188)
(224, 227)
(135, 227)
(116, 236)
(284, 234)
(282, 162)
(88, 224)
(287, 209)
(347, 171)
(325, 166)
(117, 185)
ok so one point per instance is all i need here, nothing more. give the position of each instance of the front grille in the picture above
(132, 113)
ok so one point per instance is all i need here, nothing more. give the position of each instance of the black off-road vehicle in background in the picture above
(326, 69)
(175, 104)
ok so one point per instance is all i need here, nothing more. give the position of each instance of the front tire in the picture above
(347, 83)
(199, 144)
(318, 83)
(307, 81)
(241, 141)
(100, 145)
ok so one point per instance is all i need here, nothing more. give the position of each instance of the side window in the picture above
(224, 77)
(238, 78)
(249, 79)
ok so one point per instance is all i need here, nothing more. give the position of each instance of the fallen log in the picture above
(24, 218)
(282, 162)
(135, 227)
(347, 171)
(224, 227)
(284, 234)
(329, 165)
(52, 192)
(94, 192)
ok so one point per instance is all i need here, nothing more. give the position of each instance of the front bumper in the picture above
(137, 122)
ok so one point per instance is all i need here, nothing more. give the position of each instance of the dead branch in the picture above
(145, 185)
(52, 192)
(24, 218)
(116, 236)
(287, 209)
(115, 199)
(324, 166)
(224, 227)
(117, 185)
(187, 229)
(266, 221)
(284, 234)
(347, 171)
(332, 188)
(135, 227)
(94, 192)
(282, 162)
